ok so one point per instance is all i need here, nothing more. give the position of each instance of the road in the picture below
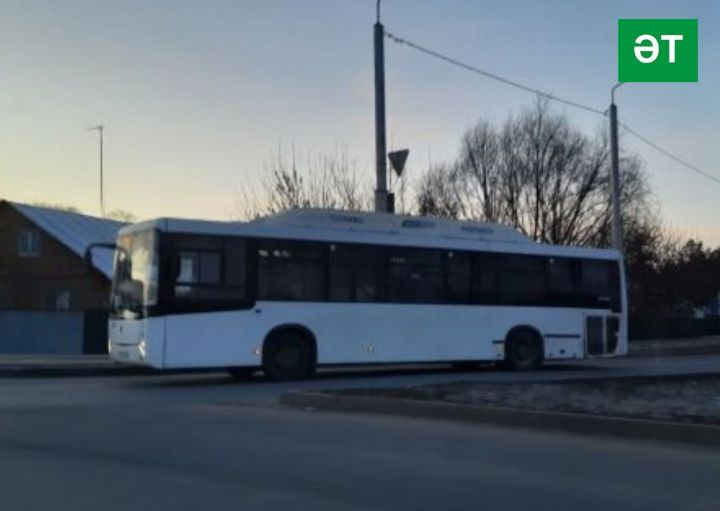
(202, 442)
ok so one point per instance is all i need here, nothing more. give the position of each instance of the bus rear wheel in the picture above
(289, 355)
(523, 350)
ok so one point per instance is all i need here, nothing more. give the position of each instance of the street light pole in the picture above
(99, 128)
(617, 227)
(381, 191)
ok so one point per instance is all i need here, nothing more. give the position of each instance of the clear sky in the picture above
(196, 95)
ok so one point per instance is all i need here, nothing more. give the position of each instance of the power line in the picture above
(492, 76)
(668, 154)
(552, 97)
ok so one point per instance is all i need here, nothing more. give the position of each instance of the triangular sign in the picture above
(398, 159)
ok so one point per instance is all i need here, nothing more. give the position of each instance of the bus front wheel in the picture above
(523, 350)
(288, 355)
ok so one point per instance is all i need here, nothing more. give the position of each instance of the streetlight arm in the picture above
(612, 92)
(377, 9)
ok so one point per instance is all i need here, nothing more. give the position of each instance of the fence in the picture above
(53, 333)
(658, 327)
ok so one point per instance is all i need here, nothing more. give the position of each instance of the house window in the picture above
(58, 300)
(29, 243)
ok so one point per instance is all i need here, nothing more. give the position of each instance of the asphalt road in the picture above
(201, 442)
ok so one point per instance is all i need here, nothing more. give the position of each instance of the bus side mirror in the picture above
(92, 246)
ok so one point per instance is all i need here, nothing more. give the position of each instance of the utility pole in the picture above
(617, 227)
(99, 128)
(381, 191)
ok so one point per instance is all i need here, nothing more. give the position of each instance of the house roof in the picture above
(75, 231)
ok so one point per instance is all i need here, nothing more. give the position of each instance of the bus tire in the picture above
(523, 350)
(289, 354)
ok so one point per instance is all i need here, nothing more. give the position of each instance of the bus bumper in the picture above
(137, 342)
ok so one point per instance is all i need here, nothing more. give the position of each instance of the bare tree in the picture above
(121, 215)
(536, 173)
(322, 181)
(116, 214)
(59, 207)
(437, 193)
(540, 175)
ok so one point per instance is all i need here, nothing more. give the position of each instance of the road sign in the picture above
(398, 159)
(657, 50)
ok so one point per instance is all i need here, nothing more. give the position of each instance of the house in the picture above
(51, 300)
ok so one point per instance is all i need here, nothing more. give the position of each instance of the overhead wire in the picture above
(552, 97)
(668, 154)
(492, 76)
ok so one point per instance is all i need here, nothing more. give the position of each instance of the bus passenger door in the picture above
(602, 334)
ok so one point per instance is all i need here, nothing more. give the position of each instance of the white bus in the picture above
(310, 287)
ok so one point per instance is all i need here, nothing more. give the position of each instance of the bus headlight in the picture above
(142, 347)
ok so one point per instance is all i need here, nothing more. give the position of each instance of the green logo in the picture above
(657, 50)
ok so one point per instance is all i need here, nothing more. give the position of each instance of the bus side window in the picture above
(596, 283)
(196, 268)
(484, 278)
(522, 280)
(458, 281)
(564, 281)
(341, 274)
(290, 270)
(208, 269)
(370, 275)
(615, 293)
(415, 276)
(236, 268)
(355, 273)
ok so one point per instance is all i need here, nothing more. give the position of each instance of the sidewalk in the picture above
(15, 366)
(681, 346)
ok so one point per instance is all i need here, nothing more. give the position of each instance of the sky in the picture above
(196, 96)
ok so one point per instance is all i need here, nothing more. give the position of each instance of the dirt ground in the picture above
(686, 399)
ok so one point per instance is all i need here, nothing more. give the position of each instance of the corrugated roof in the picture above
(75, 231)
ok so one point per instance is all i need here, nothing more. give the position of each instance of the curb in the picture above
(672, 352)
(71, 372)
(704, 345)
(584, 424)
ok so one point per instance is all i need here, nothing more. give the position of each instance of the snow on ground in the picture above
(685, 399)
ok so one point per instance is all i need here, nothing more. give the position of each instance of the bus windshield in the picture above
(135, 272)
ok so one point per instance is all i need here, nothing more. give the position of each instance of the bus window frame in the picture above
(168, 248)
